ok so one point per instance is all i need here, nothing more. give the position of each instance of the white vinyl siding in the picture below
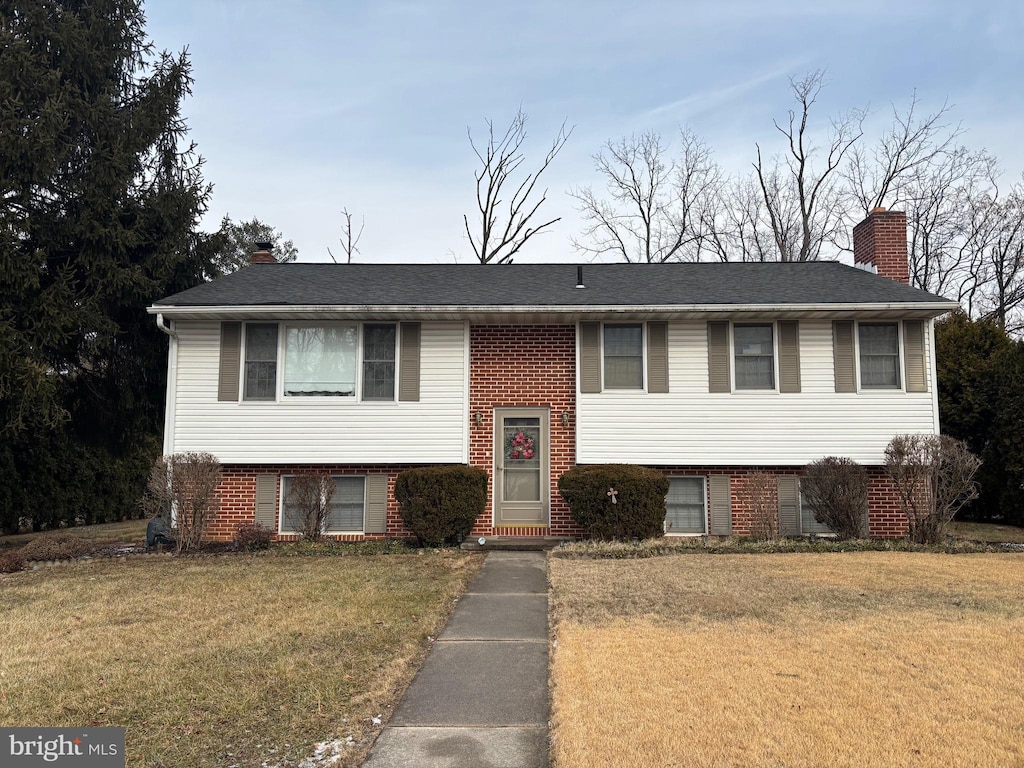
(686, 506)
(431, 430)
(347, 506)
(689, 425)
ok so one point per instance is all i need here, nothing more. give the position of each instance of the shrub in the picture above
(57, 546)
(440, 504)
(11, 560)
(187, 484)
(308, 503)
(759, 490)
(250, 537)
(934, 478)
(635, 510)
(836, 488)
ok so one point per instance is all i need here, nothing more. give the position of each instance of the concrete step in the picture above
(514, 543)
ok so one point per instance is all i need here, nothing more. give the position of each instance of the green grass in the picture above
(218, 661)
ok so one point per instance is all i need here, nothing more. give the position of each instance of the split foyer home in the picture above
(706, 371)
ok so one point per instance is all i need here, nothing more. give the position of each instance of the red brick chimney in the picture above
(262, 255)
(881, 241)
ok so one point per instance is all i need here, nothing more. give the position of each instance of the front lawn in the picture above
(223, 661)
(839, 659)
(987, 532)
(124, 532)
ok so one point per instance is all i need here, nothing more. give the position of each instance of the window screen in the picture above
(260, 361)
(378, 362)
(879, 355)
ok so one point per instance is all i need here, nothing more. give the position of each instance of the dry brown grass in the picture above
(128, 531)
(858, 659)
(963, 529)
(221, 660)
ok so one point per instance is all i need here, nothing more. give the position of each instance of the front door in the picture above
(521, 479)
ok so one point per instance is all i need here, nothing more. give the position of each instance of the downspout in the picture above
(172, 383)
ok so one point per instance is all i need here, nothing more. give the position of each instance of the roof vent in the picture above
(579, 278)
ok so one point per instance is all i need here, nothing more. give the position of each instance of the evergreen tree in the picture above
(100, 194)
(239, 240)
(981, 401)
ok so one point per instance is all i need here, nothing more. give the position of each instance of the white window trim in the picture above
(280, 511)
(643, 360)
(282, 334)
(685, 534)
(900, 368)
(774, 390)
(241, 365)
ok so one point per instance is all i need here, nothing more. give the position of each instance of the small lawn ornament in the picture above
(613, 493)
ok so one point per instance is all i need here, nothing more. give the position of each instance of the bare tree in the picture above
(934, 477)
(884, 175)
(184, 486)
(308, 503)
(504, 228)
(349, 237)
(804, 207)
(759, 490)
(1002, 263)
(658, 208)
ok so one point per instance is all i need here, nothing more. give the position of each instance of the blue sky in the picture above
(305, 107)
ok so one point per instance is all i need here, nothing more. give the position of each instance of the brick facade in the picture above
(881, 241)
(237, 494)
(524, 366)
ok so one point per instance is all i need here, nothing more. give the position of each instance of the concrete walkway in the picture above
(481, 697)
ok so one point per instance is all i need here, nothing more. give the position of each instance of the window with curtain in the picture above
(623, 357)
(754, 352)
(260, 361)
(320, 361)
(879, 355)
(684, 505)
(378, 362)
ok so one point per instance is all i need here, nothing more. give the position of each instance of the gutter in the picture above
(172, 383)
(256, 310)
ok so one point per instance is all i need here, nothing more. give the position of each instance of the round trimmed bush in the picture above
(639, 508)
(440, 504)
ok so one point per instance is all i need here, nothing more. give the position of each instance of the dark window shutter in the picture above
(913, 356)
(789, 355)
(266, 501)
(789, 505)
(376, 514)
(842, 356)
(718, 356)
(230, 361)
(409, 363)
(720, 503)
(590, 357)
(657, 357)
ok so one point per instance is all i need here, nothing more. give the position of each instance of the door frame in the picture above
(498, 442)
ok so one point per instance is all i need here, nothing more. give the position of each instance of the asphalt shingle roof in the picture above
(548, 285)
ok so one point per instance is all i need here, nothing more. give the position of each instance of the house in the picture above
(705, 371)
